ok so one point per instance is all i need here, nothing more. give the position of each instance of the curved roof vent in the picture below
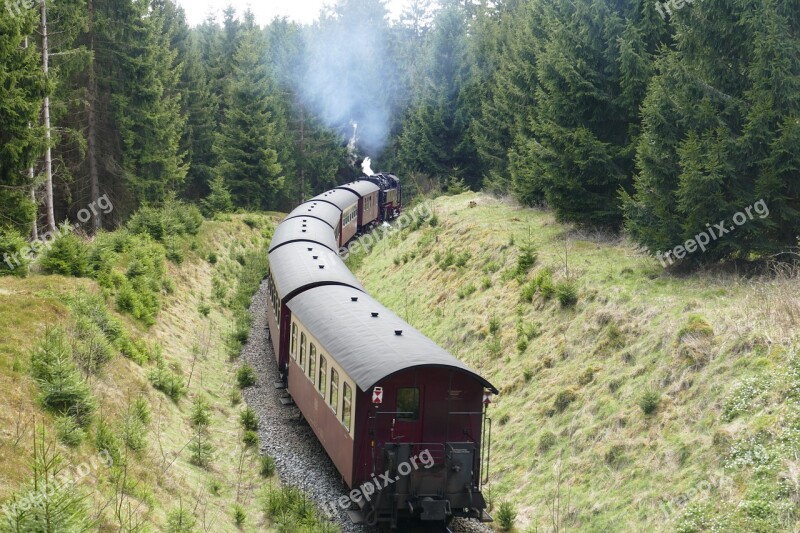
(354, 299)
(375, 315)
(398, 332)
(322, 267)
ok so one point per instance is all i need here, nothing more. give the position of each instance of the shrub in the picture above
(547, 440)
(527, 375)
(173, 248)
(650, 401)
(93, 307)
(246, 376)
(134, 349)
(267, 466)
(526, 259)
(235, 397)
(62, 389)
(212, 258)
(250, 439)
(201, 413)
(219, 199)
(180, 520)
(615, 456)
(486, 283)
(69, 432)
(91, 348)
(494, 325)
(249, 420)
(567, 293)
(466, 291)
(165, 380)
(13, 262)
(105, 439)
(201, 451)
(68, 255)
(506, 516)
(134, 434)
(563, 399)
(239, 516)
(141, 410)
(204, 309)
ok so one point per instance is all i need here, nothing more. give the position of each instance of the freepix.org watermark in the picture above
(667, 7)
(671, 506)
(16, 7)
(712, 233)
(378, 483)
(64, 481)
(102, 204)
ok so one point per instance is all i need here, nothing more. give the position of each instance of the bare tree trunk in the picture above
(32, 177)
(35, 228)
(48, 157)
(94, 178)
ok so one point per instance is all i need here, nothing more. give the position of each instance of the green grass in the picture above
(149, 431)
(632, 386)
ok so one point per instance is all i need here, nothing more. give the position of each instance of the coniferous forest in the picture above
(621, 115)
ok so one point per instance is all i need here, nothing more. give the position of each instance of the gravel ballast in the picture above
(299, 457)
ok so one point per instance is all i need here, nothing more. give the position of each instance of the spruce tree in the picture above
(21, 138)
(248, 144)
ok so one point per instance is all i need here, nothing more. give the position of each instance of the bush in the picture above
(219, 199)
(68, 255)
(649, 402)
(134, 433)
(204, 309)
(239, 516)
(165, 380)
(12, 260)
(134, 349)
(180, 520)
(174, 250)
(506, 516)
(212, 258)
(547, 440)
(267, 466)
(249, 420)
(175, 218)
(466, 291)
(526, 260)
(250, 439)
(563, 399)
(140, 408)
(62, 389)
(246, 376)
(494, 325)
(69, 432)
(105, 439)
(201, 413)
(567, 293)
(91, 348)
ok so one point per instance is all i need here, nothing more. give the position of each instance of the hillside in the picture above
(631, 399)
(166, 404)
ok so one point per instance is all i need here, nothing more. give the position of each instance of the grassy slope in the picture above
(161, 475)
(635, 329)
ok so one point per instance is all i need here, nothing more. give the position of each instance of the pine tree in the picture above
(21, 138)
(719, 119)
(248, 144)
(150, 108)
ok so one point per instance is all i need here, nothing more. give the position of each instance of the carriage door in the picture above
(407, 421)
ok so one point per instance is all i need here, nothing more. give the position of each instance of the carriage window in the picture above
(294, 341)
(323, 374)
(303, 350)
(312, 361)
(334, 399)
(347, 400)
(407, 404)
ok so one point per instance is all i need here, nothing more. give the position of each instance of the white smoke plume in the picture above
(366, 166)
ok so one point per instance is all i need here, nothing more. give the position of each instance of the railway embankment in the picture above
(121, 380)
(633, 398)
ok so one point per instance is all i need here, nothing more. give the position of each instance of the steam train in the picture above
(377, 393)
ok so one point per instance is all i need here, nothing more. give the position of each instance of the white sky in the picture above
(303, 11)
